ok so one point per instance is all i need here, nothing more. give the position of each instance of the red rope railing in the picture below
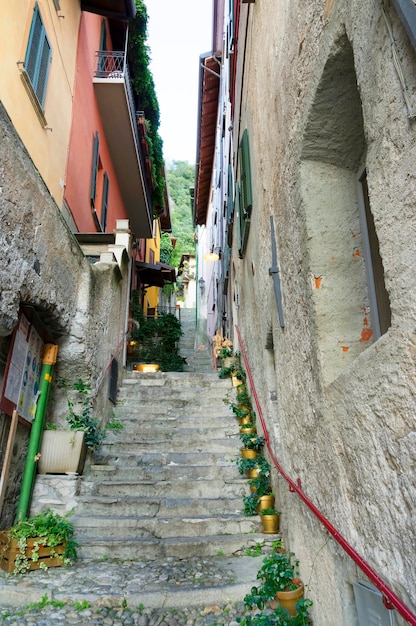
(390, 599)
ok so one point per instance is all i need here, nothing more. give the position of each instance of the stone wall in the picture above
(82, 305)
(322, 100)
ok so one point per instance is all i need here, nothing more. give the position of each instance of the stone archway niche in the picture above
(332, 155)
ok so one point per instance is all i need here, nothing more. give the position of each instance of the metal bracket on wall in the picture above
(275, 274)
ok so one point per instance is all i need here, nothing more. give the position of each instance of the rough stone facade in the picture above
(82, 304)
(319, 91)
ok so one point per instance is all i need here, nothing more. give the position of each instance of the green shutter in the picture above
(38, 57)
(104, 203)
(230, 25)
(246, 199)
(94, 172)
(230, 207)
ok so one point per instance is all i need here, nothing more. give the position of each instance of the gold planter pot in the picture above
(270, 524)
(266, 502)
(246, 453)
(248, 431)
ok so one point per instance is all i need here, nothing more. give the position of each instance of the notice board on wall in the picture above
(22, 375)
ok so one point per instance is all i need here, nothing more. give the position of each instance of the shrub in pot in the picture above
(278, 575)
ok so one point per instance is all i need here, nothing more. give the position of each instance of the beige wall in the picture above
(47, 147)
(340, 420)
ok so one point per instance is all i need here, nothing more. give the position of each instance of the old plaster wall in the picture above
(82, 305)
(346, 429)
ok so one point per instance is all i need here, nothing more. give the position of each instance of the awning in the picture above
(155, 275)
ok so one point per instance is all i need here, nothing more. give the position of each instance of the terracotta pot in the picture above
(266, 502)
(288, 599)
(270, 524)
(246, 453)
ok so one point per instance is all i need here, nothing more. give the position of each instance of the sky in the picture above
(178, 32)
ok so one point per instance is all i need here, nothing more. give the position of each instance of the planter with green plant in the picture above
(43, 541)
(280, 617)
(248, 428)
(252, 442)
(269, 520)
(280, 583)
(247, 466)
(157, 341)
(64, 451)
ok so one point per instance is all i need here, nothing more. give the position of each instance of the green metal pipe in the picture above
(48, 361)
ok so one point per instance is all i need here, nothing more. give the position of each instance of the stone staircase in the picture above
(166, 485)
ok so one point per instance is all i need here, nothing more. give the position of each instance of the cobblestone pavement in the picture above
(170, 592)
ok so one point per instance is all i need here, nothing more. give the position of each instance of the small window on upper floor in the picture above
(38, 57)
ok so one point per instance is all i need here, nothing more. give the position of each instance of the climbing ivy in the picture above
(144, 88)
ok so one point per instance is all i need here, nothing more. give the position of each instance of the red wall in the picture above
(85, 122)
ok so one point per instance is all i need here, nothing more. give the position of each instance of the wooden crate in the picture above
(9, 548)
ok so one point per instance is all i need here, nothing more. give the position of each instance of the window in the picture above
(38, 57)
(94, 173)
(104, 202)
(246, 200)
(378, 296)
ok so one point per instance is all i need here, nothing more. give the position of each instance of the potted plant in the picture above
(252, 442)
(243, 399)
(247, 466)
(279, 582)
(64, 451)
(280, 617)
(269, 520)
(45, 540)
(265, 501)
(252, 445)
(248, 428)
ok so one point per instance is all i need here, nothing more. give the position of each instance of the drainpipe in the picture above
(49, 359)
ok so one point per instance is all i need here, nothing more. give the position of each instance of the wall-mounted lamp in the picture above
(212, 256)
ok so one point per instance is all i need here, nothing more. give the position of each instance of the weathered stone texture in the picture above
(41, 264)
(342, 421)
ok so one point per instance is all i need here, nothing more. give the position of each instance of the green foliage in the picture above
(53, 529)
(246, 465)
(157, 342)
(251, 503)
(181, 178)
(146, 99)
(115, 423)
(252, 442)
(45, 601)
(166, 249)
(269, 511)
(280, 617)
(276, 573)
(80, 416)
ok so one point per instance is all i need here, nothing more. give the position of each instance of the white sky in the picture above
(178, 32)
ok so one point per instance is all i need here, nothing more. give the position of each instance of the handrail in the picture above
(390, 599)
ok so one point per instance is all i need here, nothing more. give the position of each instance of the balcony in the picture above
(117, 110)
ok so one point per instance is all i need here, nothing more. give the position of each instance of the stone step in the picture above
(172, 423)
(174, 379)
(174, 426)
(177, 473)
(128, 528)
(179, 547)
(181, 488)
(170, 459)
(155, 506)
(169, 444)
